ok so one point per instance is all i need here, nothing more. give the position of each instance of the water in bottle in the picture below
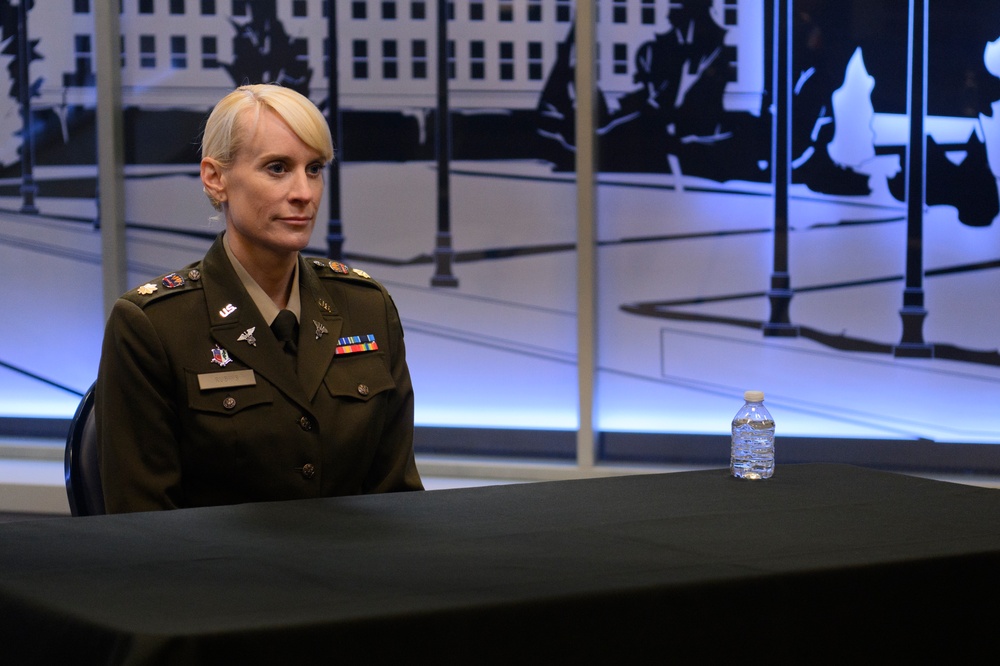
(752, 455)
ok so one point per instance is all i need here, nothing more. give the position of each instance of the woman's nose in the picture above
(302, 188)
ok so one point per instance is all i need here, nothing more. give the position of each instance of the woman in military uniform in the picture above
(198, 400)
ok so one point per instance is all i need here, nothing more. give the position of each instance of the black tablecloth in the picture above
(819, 563)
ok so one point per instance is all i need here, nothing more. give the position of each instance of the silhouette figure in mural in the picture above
(674, 119)
(556, 106)
(990, 120)
(263, 52)
(829, 49)
(963, 69)
(682, 75)
(848, 64)
(822, 49)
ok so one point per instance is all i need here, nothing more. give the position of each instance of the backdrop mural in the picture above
(712, 278)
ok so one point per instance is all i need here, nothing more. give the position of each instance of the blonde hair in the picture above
(235, 116)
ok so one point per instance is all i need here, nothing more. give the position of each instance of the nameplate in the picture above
(218, 380)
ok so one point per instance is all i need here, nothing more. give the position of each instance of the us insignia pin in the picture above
(228, 310)
(173, 281)
(147, 289)
(248, 336)
(324, 305)
(220, 356)
(320, 329)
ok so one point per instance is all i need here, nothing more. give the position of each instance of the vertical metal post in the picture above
(913, 312)
(28, 187)
(110, 152)
(443, 252)
(780, 293)
(335, 226)
(586, 234)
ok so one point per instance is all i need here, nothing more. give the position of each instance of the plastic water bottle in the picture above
(752, 455)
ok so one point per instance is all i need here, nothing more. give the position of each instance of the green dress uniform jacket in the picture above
(198, 405)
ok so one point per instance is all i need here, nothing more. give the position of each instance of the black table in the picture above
(819, 564)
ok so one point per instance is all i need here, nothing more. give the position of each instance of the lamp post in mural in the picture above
(913, 312)
(443, 252)
(335, 227)
(25, 53)
(780, 293)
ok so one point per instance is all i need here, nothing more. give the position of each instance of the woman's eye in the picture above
(315, 169)
(276, 167)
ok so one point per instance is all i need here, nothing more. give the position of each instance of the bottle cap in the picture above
(753, 396)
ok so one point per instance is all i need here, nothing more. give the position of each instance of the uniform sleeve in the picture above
(393, 468)
(136, 420)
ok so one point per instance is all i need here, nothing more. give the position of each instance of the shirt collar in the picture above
(265, 305)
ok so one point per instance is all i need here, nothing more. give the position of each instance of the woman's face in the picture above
(271, 192)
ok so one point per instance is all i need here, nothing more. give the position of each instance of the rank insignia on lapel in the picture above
(356, 343)
(147, 289)
(228, 310)
(360, 272)
(172, 281)
(338, 267)
(248, 336)
(194, 274)
(320, 329)
(220, 356)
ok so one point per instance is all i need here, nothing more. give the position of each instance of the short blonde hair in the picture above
(232, 121)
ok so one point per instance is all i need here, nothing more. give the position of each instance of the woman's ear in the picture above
(213, 181)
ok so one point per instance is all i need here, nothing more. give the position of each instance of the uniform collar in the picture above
(265, 305)
(234, 322)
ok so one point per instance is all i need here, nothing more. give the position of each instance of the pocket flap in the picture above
(360, 377)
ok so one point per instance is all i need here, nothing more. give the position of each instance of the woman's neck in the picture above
(273, 273)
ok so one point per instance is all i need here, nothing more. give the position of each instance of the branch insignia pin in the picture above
(248, 336)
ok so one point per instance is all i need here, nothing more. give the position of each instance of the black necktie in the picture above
(286, 330)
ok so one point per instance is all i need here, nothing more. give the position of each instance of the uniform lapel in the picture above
(233, 314)
(319, 327)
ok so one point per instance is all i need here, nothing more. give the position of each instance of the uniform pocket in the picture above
(359, 377)
(226, 400)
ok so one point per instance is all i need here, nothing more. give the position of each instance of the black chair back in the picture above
(83, 474)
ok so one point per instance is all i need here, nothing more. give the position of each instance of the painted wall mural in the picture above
(698, 248)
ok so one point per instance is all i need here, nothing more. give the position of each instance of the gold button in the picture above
(308, 471)
(229, 402)
(305, 423)
(363, 389)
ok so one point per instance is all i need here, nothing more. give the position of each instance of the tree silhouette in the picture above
(11, 46)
